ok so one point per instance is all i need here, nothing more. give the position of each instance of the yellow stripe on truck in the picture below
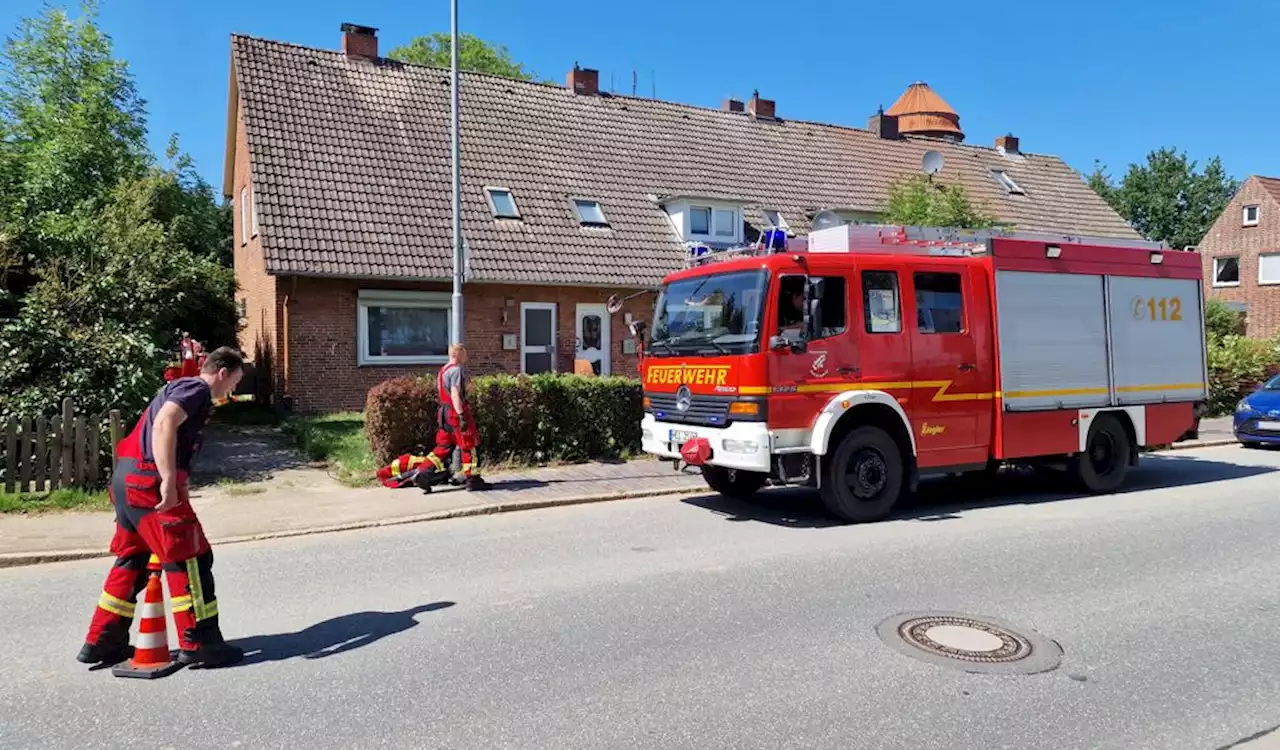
(942, 390)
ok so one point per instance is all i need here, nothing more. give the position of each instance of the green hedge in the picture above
(522, 419)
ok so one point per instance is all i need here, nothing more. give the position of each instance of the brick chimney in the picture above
(732, 105)
(1007, 144)
(760, 108)
(359, 41)
(884, 126)
(584, 81)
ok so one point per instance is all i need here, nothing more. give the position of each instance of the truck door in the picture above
(952, 372)
(803, 382)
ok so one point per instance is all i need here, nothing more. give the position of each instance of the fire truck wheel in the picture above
(738, 485)
(1105, 462)
(864, 476)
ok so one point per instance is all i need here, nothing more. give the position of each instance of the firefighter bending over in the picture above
(154, 515)
(457, 426)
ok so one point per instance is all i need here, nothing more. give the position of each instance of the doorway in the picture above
(592, 336)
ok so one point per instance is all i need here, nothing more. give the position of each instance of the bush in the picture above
(522, 419)
(1238, 365)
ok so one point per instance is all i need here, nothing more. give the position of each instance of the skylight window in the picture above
(1005, 180)
(502, 203)
(775, 218)
(589, 212)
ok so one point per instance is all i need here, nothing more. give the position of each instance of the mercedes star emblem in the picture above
(684, 398)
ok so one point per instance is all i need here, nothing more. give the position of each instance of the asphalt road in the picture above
(707, 624)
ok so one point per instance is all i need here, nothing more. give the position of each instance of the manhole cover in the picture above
(969, 643)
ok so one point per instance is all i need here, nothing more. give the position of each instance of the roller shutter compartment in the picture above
(1157, 334)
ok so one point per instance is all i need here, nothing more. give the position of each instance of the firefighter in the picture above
(190, 356)
(457, 426)
(154, 516)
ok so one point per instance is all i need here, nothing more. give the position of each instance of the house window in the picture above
(253, 210)
(589, 212)
(244, 215)
(724, 223)
(775, 219)
(881, 310)
(402, 327)
(700, 221)
(1007, 182)
(1226, 271)
(1269, 268)
(939, 302)
(501, 203)
(1251, 216)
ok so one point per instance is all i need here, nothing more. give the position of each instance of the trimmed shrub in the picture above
(1238, 365)
(522, 419)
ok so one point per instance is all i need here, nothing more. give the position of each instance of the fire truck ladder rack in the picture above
(942, 241)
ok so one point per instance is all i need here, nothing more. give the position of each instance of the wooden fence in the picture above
(43, 454)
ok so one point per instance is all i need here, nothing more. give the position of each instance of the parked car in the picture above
(1257, 418)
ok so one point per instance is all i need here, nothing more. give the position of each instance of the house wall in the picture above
(257, 291)
(321, 336)
(1228, 237)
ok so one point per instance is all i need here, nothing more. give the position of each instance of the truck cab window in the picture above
(791, 306)
(880, 305)
(939, 302)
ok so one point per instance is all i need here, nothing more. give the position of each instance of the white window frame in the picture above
(244, 214)
(555, 334)
(1221, 284)
(1007, 182)
(367, 298)
(489, 190)
(253, 210)
(735, 223)
(577, 211)
(777, 216)
(1263, 281)
(1257, 214)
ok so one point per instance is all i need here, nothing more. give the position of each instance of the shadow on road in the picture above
(944, 498)
(345, 633)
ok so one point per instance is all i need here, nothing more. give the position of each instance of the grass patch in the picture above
(237, 488)
(57, 500)
(337, 440)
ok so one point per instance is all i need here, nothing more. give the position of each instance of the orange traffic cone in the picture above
(151, 656)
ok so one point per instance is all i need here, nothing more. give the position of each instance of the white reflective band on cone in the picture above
(151, 609)
(152, 640)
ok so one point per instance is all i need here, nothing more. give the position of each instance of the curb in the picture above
(1199, 444)
(20, 559)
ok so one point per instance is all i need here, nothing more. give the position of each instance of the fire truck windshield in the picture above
(713, 314)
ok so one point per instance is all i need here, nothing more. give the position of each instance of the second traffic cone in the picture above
(151, 656)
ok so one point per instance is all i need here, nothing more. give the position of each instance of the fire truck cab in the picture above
(861, 358)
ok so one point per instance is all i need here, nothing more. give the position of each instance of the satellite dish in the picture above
(826, 219)
(932, 162)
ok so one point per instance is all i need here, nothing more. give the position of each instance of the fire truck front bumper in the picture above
(741, 445)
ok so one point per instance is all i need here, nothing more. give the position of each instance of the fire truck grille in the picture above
(708, 410)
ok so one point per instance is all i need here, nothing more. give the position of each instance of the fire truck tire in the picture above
(733, 483)
(863, 480)
(1105, 462)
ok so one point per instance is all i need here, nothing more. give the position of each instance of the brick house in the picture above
(338, 165)
(1241, 255)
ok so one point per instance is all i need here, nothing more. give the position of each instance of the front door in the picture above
(537, 337)
(951, 400)
(592, 331)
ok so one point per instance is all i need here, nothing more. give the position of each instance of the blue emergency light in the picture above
(774, 239)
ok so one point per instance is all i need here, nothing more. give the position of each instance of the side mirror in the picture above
(637, 328)
(813, 321)
(815, 289)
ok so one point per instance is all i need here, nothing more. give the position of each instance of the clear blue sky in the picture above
(1085, 80)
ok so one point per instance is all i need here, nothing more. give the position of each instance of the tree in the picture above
(105, 252)
(920, 201)
(1165, 199)
(473, 54)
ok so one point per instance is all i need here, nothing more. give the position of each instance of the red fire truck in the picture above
(861, 358)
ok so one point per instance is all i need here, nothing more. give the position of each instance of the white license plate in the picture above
(682, 436)
(1271, 426)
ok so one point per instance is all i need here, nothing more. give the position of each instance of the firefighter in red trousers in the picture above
(154, 515)
(457, 426)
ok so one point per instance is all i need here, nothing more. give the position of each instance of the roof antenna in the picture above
(634, 79)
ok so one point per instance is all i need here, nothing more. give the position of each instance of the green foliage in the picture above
(1221, 321)
(1237, 366)
(1165, 199)
(57, 500)
(919, 201)
(474, 54)
(338, 440)
(104, 254)
(522, 419)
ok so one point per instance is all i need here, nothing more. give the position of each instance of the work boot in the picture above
(476, 483)
(104, 653)
(423, 482)
(211, 655)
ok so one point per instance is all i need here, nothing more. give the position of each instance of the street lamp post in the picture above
(459, 260)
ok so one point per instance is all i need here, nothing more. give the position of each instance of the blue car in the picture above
(1257, 418)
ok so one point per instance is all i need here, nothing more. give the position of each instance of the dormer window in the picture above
(590, 214)
(716, 223)
(1251, 216)
(1007, 182)
(502, 203)
(713, 219)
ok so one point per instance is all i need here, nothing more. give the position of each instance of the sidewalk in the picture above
(278, 494)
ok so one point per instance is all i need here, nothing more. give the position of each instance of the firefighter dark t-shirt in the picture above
(196, 399)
